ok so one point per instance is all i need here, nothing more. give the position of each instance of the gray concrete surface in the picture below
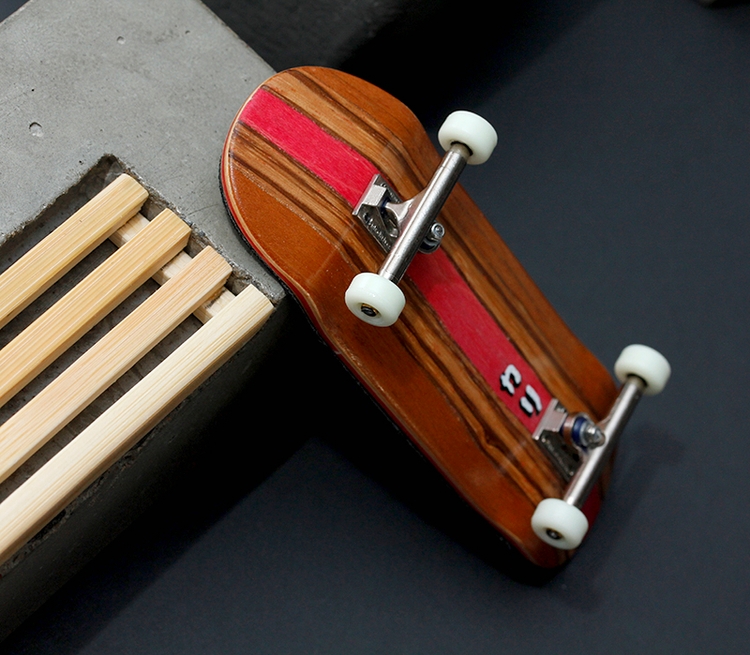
(154, 84)
(87, 89)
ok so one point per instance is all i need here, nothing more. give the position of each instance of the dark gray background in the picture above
(621, 181)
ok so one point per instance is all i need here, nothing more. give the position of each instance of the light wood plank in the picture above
(57, 253)
(89, 301)
(63, 399)
(203, 313)
(77, 465)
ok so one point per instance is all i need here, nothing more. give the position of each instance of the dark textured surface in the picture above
(7, 7)
(318, 32)
(621, 181)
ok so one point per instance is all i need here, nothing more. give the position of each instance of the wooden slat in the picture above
(63, 399)
(53, 486)
(89, 301)
(203, 313)
(56, 254)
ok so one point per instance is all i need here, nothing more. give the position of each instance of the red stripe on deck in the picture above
(347, 172)
(341, 167)
(479, 336)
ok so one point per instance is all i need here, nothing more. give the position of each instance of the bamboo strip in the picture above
(89, 301)
(77, 465)
(64, 398)
(57, 253)
(203, 313)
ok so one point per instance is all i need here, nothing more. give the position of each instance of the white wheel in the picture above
(374, 299)
(471, 130)
(559, 524)
(648, 364)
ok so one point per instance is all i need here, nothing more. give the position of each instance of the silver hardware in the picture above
(582, 431)
(578, 447)
(432, 241)
(548, 434)
(404, 228)
(612, 427)
(382, 225)
(566, 438)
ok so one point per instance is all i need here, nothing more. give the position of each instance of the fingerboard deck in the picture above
(298, 157)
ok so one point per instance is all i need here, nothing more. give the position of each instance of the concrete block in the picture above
(88, 89)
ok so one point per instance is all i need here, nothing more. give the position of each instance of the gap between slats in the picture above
(188, 285)
(71, 470)
(57, 253)
(102, 364)
(89, 301)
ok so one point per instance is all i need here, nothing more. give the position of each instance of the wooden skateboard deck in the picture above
(478, 352)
